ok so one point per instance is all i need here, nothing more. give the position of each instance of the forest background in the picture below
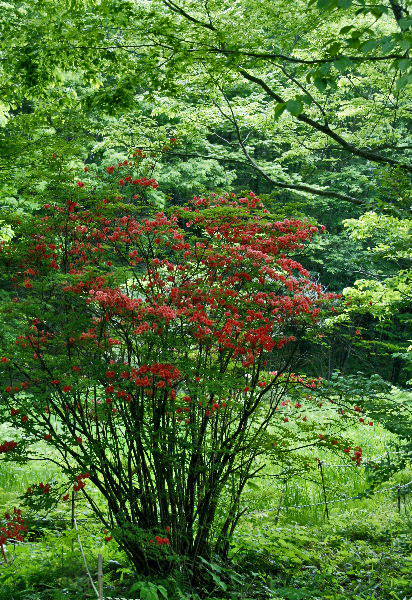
(307, 104)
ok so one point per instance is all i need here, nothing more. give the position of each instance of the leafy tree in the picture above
(299, 89)
(385, 293)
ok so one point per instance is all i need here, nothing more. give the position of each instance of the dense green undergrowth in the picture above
(357, 554)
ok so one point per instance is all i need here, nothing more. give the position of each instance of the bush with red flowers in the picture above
(154, 356)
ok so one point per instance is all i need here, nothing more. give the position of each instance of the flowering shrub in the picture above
(154, 357)
(14, 529)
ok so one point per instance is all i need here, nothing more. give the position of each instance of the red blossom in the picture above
(15, 528)
(162, 540)
(8, 446)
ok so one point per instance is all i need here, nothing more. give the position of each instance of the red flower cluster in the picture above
(8, 446)
(357, 455)
(162, 540)
(80, 481)
(14, 529)
(41, 488)
(143, 181)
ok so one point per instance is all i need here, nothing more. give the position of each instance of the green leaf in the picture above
(404, 64)
(279, 110)
(325, 68)
(404, 44)
(403, 81)
(342, 64)
(320, 83)
(334, 48)
(148, 590)
(218, 581)
(377, 11)
(326, 3)
(369, 45)
(346, 29)
(163, 591)
(388, 45)
(253, 485)
(345, 3)
(405, 23)
(307, 99)
(295, 107)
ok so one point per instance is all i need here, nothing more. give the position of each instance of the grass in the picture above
(339, 481)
